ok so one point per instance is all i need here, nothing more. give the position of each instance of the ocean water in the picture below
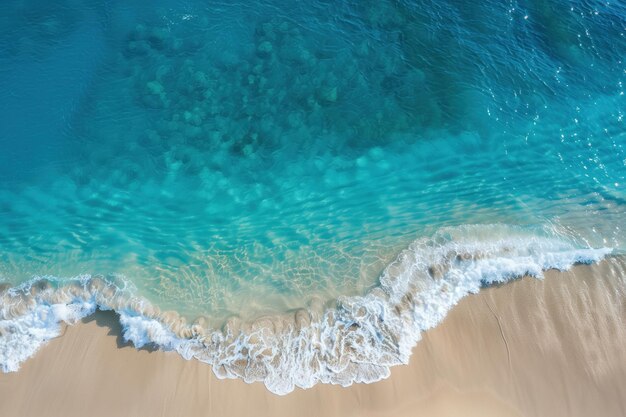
(293, 191)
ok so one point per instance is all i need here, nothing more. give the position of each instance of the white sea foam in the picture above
(23, 335)
(355, 341)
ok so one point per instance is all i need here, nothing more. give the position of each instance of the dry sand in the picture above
(528, 348)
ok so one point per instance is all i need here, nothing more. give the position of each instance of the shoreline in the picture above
(356, 339)
(525, 348)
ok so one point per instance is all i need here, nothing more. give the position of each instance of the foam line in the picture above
(357, 340)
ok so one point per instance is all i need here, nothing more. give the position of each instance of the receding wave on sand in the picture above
(357, 339)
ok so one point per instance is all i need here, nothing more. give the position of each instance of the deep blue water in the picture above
(247, 158)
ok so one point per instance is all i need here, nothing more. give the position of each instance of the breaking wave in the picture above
(357, 339)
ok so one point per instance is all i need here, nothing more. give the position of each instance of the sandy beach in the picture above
(552, 347)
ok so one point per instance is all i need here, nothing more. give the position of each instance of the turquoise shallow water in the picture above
(249, 159)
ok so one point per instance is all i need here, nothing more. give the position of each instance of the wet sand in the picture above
(555, 347)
